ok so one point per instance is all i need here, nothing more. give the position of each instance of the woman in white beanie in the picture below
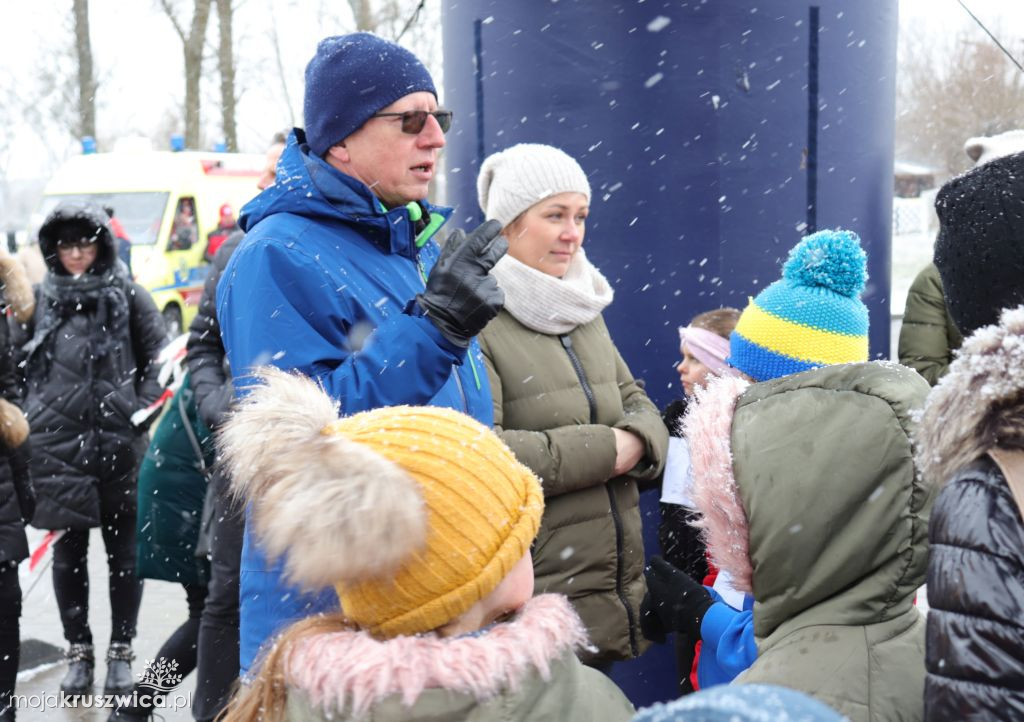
(564, 400)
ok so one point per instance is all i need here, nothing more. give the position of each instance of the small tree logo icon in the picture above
(159, 675)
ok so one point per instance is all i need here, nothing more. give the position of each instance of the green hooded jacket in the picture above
(821, 515)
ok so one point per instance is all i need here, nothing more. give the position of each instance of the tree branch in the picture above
(169, 11)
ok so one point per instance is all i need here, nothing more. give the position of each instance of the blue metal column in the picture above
(715, 134)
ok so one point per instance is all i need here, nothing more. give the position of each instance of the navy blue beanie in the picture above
(350, 78)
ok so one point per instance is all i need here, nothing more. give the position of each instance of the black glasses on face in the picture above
(80, 244)
(414, 120)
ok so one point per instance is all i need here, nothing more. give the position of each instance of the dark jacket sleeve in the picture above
(20, 334)
(205, 357)
(928, 336)
(149, 336)
(11, 387)
(975, 638)
(12, 390)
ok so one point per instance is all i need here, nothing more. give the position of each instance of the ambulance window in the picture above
(185, 230)
(138, 215)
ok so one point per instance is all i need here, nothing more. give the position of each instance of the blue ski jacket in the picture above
(324, 283)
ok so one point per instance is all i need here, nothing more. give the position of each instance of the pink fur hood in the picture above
(351, 671)
(708, 431)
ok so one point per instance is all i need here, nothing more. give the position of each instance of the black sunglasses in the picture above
(414, 120)
(80, 244)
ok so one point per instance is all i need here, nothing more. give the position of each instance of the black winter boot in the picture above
(81, 662)
(119, 669)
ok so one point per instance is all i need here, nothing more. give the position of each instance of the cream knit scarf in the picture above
(549, 304)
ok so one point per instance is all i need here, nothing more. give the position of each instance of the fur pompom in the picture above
(13, 425)
(280, 411)
(17, 289)
(336, 510)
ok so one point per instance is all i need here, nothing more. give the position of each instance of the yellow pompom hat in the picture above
(413, 514)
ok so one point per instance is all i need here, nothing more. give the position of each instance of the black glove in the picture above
(461, 296)
(22, 477)
(674, 602)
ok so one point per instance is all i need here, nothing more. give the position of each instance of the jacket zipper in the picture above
(578, 367)
(616, 518)
(469, 354)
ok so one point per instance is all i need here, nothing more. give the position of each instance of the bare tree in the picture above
(226, 65)
(49, 100)
(363, 15)
(86, 78)
(949, 92)
(192, 44)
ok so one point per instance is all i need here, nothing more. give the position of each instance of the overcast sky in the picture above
(138, 57)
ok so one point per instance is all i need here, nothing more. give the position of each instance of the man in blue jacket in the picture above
(338, 276)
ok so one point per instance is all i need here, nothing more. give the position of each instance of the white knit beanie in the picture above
(516, 178)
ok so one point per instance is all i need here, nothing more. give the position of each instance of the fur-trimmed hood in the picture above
(89, 220)
(18, 294)
(349, 672)
(979, 404)
(809, 494)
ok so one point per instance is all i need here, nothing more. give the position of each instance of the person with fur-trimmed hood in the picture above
(972, 432)
(436, 619)
(17, 496)
(88, 356)
(810, 499)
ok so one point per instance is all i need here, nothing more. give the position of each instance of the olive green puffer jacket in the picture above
(812, 501)
(556, 401)
(928, 336)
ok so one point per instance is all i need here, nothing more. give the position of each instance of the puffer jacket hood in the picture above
(90, 221)
(308, 186)
(978, 405)
(521, 669)
(809, 492)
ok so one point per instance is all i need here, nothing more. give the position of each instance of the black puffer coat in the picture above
(206, 359)
(16, 494)
(975, 638)
(88, 356)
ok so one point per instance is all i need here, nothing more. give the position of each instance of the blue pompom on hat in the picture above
(741, 703)
(812, 316)
(351, 78)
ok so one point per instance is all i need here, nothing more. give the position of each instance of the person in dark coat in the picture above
(172, 487)
(210, 379)
(972, 424)
(17, 497)
(87, 355)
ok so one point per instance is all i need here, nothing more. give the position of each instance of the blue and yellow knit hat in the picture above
(812, 316)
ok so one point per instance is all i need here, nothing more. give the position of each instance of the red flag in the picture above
(40, 551)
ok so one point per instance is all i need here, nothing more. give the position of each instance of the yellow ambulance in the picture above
(167, 204)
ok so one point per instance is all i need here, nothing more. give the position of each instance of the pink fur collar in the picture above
(351, 669)
(708, 431)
